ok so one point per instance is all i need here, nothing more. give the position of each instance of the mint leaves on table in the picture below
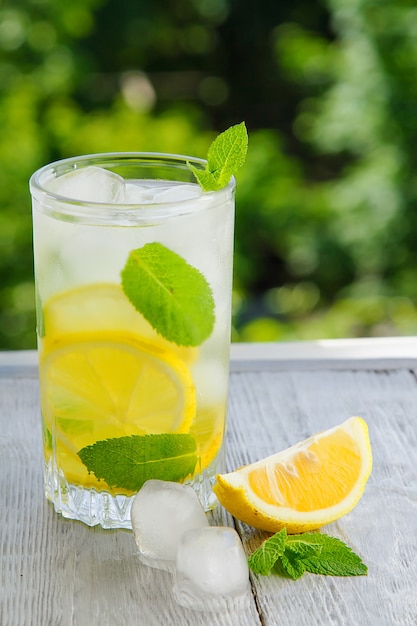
(293, 555)
(172, 295)
(128, 462)
(225, 157)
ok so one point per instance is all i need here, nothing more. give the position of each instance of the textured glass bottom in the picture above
(113, 511)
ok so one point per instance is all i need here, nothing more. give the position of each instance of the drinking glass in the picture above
(133, 273)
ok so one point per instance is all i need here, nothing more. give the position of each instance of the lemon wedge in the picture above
(304, 487)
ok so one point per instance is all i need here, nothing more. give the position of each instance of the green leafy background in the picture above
(327, 201)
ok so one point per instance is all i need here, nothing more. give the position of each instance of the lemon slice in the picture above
(102, 306)
(304, 487)
(208, 430)
(109, 384)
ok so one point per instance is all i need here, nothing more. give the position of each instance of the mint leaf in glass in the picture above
(172, 295)
(128, 462)
(225, 157)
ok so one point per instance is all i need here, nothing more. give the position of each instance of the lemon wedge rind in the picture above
(236, 494)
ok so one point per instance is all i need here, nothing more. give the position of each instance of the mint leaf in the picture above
(128, 462)
(172, 295)
(292, 555)
(225, 157)
(297, 549)
(264, 558)
(205, 178)
(334, 559)
(292, 565)
(305, 545)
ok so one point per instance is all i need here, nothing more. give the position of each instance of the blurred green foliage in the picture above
(326, 205)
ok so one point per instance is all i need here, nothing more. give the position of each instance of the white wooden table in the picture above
(58, 572)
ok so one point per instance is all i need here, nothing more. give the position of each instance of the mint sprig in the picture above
(128, 462)
(172, 295)
(293, 555)
(225, 157)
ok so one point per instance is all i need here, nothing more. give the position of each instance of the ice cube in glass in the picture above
(138, 194)
(212, 572)
(177, 193)
(90, 184)
(161, 512)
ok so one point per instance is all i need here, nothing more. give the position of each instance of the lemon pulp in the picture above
(105, 373)
(304, 487)
(297, 482)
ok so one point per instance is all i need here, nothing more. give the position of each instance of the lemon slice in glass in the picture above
(107, 384)
(102, 306)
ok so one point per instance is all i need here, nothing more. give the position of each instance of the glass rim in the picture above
(84, 209)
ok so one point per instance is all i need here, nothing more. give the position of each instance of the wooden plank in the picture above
(270, 411)
(54, 571)
(59, 572)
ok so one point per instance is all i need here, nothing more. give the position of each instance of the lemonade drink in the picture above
(133, 267)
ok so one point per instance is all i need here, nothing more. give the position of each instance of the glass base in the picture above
(102, 508)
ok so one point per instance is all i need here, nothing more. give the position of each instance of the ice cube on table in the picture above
(161, 512)
(212, 571)
(90, 184)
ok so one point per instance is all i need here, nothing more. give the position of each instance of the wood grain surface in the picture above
(58, 572)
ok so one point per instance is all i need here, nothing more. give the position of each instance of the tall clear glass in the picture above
(133, 272)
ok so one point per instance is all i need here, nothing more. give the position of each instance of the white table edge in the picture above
(378, 353)
(367, 353)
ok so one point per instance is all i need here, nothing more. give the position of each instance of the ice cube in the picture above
(177, 193)
(138, 194)
(161, 512)
(90, 184)
(212, 571)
